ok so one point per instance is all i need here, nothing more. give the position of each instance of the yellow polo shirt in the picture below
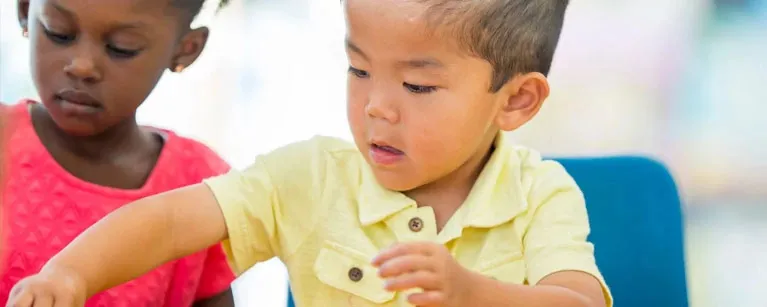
(317, 206)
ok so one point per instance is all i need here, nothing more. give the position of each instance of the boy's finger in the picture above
(415, 280)
(43, 300)
(402, 249)
(428, 298)
(63, 299)
(64, 303)
(21, 299)
(405, 264)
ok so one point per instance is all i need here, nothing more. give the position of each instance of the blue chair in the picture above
(636, 226)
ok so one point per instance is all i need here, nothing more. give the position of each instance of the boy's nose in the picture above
(382, 107)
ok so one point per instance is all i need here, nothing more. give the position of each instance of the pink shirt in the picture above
(45, 208)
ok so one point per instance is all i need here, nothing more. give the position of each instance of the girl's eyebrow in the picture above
(123, 26)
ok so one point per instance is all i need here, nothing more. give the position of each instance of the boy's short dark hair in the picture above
(515, 36)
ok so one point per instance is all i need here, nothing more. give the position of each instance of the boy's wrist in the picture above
(474, 288)
(68, 277)
(481, 290)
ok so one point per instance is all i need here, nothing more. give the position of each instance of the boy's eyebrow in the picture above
(425, 62)
(354, 48)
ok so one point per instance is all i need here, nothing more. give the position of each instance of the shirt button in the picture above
(355, 274)
(415, 224)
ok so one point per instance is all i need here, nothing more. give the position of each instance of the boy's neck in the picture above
(448, 193)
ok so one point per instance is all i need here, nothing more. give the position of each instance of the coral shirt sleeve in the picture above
(217, 276)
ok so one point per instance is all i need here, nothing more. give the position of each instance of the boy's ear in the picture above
(522, 98)
(23, 14)
(189, 48)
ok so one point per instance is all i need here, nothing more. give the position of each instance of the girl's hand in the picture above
(49, 288)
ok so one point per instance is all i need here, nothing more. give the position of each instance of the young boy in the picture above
(432, 206)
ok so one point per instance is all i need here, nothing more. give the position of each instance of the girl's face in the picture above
(94, 62)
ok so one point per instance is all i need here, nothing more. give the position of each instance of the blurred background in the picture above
(683, 81)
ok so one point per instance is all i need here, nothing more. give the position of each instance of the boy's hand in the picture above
(49, 288)
(427, 266)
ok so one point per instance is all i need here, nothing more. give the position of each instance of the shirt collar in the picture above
(375, 202)
(496, 197)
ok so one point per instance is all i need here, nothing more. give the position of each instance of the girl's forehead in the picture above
(151, 7)
(109, 13)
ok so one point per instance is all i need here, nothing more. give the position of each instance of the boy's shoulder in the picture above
(314, 149)
(193, 154)
(311, 161)
(320, 144)
(532, 162)
(540, 177)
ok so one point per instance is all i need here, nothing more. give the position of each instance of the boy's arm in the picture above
(561, 268)
(142, 236)
(567, 288)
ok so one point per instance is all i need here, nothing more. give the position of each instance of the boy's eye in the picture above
(358, 73)
(120, 52)
(61, 39)
(419, 89)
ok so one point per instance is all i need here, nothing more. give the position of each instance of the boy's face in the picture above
(419, 108)
(94, 62)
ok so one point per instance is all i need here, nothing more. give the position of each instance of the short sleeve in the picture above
(556, 238)
(249, 203)
(216, 275)
(273, 206)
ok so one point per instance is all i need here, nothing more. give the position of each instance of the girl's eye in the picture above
(57, 38)
(121, 53)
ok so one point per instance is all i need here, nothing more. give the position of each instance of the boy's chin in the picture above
(391, 180)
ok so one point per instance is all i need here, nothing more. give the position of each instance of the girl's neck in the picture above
(125, 137)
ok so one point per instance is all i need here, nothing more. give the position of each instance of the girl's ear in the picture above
(190, 48)
(23, 15)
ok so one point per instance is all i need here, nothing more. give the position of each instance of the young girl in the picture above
(78, 154)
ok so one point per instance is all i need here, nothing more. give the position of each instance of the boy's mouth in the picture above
(388, 149)
(383, 154)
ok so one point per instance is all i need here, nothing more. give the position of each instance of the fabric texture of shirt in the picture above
(45, 208)
(318, 207)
